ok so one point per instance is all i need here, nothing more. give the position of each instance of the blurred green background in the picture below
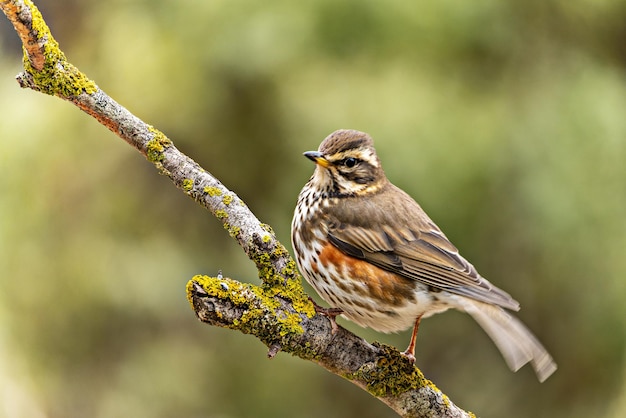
(506, 120)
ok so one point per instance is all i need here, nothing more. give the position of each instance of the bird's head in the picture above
(347, 164)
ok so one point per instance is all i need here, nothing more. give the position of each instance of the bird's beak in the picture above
(318, 158)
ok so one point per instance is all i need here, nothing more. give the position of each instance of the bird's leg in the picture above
(410, 350)
(330, 313)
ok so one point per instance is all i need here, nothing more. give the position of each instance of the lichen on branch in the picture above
(263, 311)
(46, 67)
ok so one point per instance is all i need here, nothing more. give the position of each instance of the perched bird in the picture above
(373, 254)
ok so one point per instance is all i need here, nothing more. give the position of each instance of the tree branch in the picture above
(278, 312)
(379, 369)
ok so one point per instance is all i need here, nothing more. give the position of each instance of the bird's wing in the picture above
(402, 239)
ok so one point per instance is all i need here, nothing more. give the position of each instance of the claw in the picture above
(409, 356)
(330, 313)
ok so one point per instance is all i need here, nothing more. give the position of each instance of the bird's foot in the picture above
(330, 313)
(409, 356)
(409, 353)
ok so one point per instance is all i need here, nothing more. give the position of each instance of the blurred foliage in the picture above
(504, 119)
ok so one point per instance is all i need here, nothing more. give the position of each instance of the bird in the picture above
(371, 252)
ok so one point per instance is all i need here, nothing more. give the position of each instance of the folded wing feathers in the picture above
(427, 256)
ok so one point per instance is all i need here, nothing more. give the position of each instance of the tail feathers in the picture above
(516, 343)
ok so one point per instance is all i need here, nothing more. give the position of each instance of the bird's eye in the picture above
(350, 162)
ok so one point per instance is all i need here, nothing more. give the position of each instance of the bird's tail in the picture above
(514, 340)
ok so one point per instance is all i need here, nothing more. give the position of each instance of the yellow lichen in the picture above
(187, 185)
(259, 307)
(157, 145)
(233, 231)
(391, 375)
(57, 76)
(212, 191)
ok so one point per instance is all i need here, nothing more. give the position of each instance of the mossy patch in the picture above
(221, 214)
(187, 185)
(157, 145)
(233, 231)
(227, 199)
(259, 307)
(286, 283)
(212, 191)
(391, 375)
(57, 77)
(268, 228)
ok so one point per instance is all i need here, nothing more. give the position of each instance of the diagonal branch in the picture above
(278, 312)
